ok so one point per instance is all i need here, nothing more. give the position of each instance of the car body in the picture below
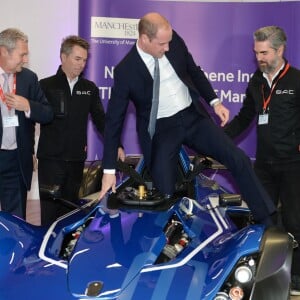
(135, 244)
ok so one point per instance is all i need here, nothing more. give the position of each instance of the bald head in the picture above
(151, 23)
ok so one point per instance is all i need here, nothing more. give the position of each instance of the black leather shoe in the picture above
(268, 222)
(295, 286)
(167, 196)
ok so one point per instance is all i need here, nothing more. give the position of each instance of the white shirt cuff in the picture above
(27, 114)
(109, 171)
(215, 101)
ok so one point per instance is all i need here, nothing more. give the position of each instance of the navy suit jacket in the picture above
(133, 81)
(27, 85)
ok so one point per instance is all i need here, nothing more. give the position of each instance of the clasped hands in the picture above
(17, 102)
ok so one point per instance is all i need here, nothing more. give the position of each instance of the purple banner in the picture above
(219, 36)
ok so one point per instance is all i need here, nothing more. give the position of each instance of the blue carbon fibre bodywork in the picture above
(90, 254)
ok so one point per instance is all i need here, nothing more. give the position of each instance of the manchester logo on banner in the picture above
(121, 28)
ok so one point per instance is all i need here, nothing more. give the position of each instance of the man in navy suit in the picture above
(181, 119)
(22, 104)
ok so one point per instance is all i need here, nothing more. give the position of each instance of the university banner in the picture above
(218, 35)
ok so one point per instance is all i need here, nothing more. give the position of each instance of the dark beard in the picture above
(268, 68)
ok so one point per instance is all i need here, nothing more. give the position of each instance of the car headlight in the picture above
(236, 293)
(243, 274)
(221, 296)
(239, 283)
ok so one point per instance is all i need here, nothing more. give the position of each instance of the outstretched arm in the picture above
(108, 182)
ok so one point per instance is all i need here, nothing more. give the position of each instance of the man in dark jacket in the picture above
(22, 103)
(180, 118)
(62, 145)
(273, 98)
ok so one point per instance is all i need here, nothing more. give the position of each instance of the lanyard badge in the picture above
(263, 118)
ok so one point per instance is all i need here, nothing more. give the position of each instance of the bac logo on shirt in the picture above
(285, 92)
(83, 93)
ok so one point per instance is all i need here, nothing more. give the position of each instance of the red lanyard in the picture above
(2, 96)
(267, 101)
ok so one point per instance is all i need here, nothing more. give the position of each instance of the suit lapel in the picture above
(142, 70)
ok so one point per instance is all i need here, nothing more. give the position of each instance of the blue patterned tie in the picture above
(155, 98)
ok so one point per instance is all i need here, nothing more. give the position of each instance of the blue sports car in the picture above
(199, 244)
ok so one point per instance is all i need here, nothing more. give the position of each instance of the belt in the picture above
(5, 150)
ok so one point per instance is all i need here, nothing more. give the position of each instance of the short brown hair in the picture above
(73, 40)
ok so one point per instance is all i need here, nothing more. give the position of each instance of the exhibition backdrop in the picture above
(218, 35)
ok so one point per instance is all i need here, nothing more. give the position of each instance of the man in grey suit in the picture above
(23, 103)
(181, 119)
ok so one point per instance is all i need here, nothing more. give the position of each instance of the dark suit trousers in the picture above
(13, 191)
(200, 134)
(281, 180)
(65, 174)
